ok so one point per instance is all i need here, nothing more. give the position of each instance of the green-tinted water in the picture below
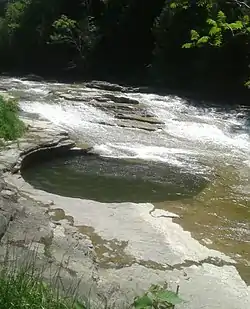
(217, 212)
(213, 211)
(113, 180)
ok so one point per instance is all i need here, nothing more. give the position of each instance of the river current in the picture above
(209, 141)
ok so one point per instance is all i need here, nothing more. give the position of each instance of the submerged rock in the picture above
(106, 86)
(110, 106)
(121, 99)
(128, 112)
(153, 248)
(33, 77)
(138, 125)
(150, 120)
(71, 97)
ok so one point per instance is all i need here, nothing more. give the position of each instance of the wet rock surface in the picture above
(117, 250)
(130, 113)
(107, 86)
(26, 226)
(64, 238)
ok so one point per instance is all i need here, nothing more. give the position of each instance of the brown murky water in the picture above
(219, 218)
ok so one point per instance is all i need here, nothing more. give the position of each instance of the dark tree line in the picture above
(184, 44)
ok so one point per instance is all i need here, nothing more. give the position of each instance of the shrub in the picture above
(158, 297)
(11, 127)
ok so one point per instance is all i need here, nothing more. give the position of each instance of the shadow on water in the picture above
(113, 180)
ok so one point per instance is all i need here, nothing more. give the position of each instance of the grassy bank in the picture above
(11, 127)
(23, 287)
(23, 291)
(26, 290)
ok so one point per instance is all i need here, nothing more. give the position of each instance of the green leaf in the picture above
(173, 5)
(248, 29)
(194, 35)
(143, 302)
(236, 25)
(217, 40)
(203, 40)
(169, 297)
(247, 84)
(221, 17)
(187, 45)
(214, 30)
(246, 19)
(211, 22)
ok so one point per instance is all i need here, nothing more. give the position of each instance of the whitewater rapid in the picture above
(192, 137)
(213, 141)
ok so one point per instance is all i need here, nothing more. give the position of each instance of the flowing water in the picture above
(210, 143)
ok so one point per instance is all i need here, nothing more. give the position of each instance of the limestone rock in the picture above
(71, 97)
(150, 120)
(33, 77)
(105, 86)
(138, 125)
(121, 99)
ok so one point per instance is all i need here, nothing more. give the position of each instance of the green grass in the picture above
(22, 284)
(25, 289)
(11, 127)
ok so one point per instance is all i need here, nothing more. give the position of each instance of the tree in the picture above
(79, 35)
(221, 28)
(224, 22)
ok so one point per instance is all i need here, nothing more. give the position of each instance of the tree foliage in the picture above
(223, 23)
(80, 35)
(182, 42)
(214, 36)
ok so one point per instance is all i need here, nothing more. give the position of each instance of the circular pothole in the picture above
(112, 180)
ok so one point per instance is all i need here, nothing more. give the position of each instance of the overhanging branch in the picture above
(241, 3)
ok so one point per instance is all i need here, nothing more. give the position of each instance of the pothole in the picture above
(113, 180)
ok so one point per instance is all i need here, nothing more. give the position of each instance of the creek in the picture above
(192, 160)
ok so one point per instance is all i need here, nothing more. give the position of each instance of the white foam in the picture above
(191, 138)
(72, 117)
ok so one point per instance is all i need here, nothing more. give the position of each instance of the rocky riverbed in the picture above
(153, 248)
(119, 249)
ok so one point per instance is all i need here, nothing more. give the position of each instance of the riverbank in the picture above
(31, 220)
(26, 224)
(124, 247)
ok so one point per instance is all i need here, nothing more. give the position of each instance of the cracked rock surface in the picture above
(117, 250)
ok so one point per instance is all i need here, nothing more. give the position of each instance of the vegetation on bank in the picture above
(25, 291)
(11, 127)
(181, 43)
(23, 287)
